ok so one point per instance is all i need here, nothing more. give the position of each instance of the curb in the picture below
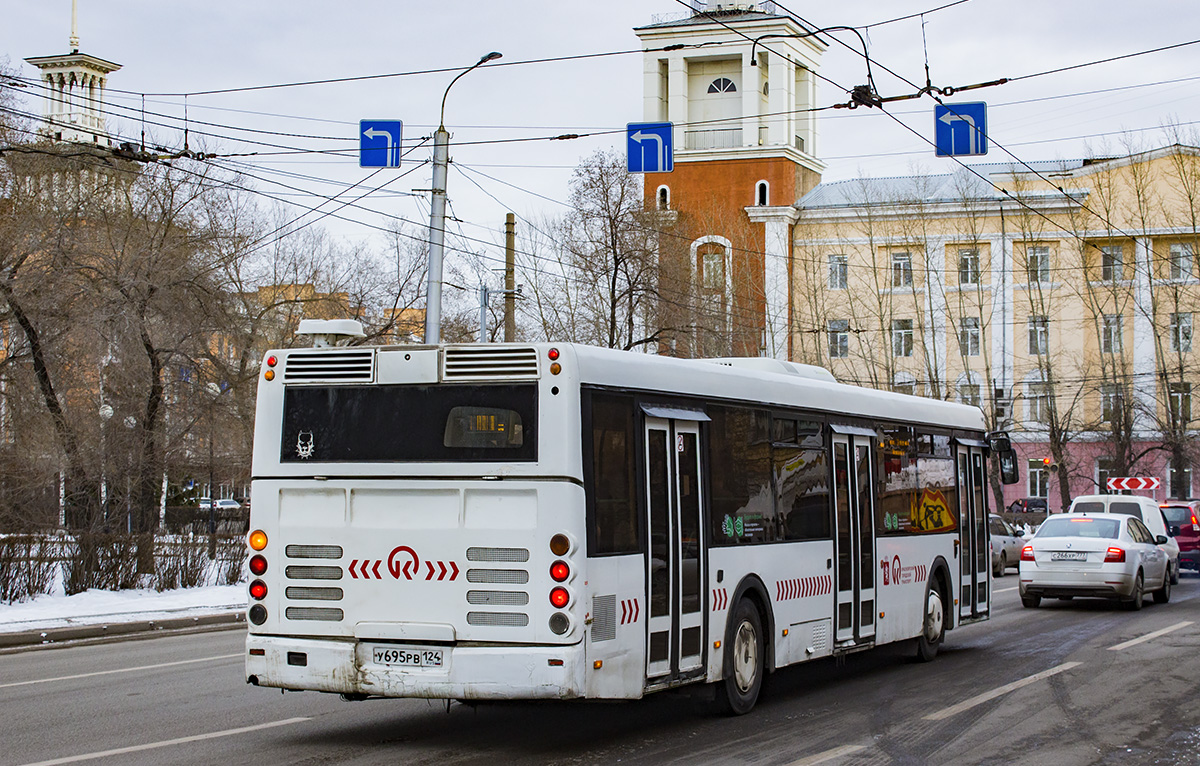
(99, 632)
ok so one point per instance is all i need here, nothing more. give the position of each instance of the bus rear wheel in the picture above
(933, 627)
(745, 661)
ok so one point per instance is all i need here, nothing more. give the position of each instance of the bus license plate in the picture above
(1068, 556)
(407, 656)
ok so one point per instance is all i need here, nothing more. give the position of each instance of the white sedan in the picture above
(1103, 555)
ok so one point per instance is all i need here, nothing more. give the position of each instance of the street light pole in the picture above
(437, 214)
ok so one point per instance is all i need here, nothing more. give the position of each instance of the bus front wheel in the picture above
(744, 664)
(933, 627)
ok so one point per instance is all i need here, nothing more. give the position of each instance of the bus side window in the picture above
(741, 505)
(610, 480)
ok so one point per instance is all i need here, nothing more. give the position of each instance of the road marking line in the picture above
(954, 710)
(828, 755)
(1149, 636)
(120, 670)
(1006, 590)
(167, 743)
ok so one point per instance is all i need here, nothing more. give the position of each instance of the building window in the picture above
(1037, 403)
(968, 337)
(1112, 399)
(838, 267)
(1181, 261)
(1037, 265)
(762, 193)
(902, 269)
(1039, 335)
(1179, 482)
(1110, 334)
(1181, 404)
(1039, 481)
(1181, 332)
(839, 338)
(902, 337)
(968, 267)
(1112, 263)
(664, 198)
(722, 85)
(968, 393)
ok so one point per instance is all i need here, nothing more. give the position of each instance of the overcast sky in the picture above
(189, 46)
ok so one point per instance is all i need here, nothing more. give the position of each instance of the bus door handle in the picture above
(956, 544)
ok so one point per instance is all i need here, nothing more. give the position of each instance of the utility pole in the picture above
(510, 299)
(484, 294)
(437, 214)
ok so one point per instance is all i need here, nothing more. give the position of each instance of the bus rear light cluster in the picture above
(1027, 553)
(272, 360)
(560, 597)
(555, 367)
(559, 571)
(560, 623)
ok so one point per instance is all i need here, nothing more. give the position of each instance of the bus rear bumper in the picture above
(468, 672)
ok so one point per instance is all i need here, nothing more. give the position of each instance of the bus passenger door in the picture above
(675, 564)
(854, 537)
(974, 555)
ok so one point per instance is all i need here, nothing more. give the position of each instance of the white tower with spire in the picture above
(75, 84)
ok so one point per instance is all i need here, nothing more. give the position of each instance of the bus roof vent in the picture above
(765, 364)
(488, 361)
(340, 366)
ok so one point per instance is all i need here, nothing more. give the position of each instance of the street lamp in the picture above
(437, 213)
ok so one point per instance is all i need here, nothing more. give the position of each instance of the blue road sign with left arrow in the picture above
(650, 147)
(379, 143)
(960, 129)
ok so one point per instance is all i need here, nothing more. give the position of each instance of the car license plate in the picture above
(407, 656)
(1068, 556)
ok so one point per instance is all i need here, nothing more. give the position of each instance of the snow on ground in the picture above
(101, 606)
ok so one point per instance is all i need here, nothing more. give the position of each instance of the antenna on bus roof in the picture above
(330, 332)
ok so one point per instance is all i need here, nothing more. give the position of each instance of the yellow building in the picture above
(1059, 297)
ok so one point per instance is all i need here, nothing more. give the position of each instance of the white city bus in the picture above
(560, 521)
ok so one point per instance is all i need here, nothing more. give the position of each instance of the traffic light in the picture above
(1050, 465)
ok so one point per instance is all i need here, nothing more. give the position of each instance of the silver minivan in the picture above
(1142, 507)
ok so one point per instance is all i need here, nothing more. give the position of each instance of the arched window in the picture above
(762, 193)
(664, 198)
(722, 85)
(711, 275)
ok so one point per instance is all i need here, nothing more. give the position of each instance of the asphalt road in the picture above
(1078, 682)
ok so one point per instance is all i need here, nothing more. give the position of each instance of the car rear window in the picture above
(1088, 507)
(1076, 527)
(1129, 509)
(1177, 514)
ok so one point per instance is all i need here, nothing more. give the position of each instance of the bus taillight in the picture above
(560, 544)
(560, 597)
(258, 590)
(258, 540)
(258, 565)
(559, 571)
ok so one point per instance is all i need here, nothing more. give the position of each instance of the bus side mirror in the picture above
(1008, 466)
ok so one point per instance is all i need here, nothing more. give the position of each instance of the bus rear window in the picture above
(399, 424)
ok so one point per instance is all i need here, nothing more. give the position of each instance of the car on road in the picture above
(1183, 516)
(1142, 507)
(1028, 505)
(1006, 545)
(1101, 555)
(226, 504)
